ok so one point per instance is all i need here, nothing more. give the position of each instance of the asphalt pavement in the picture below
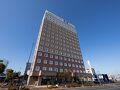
(105, 87)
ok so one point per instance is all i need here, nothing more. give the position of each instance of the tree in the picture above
(9, 73)
(2, 68)
(16, 75)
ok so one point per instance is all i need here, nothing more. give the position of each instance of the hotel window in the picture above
(60, 52)
(72, 60)
(76, 66)
(51, 56)
(68, 59)
(37, 68)
(50, 68)
(79, 61)
(52, 41)
(73, 65)
(80, 71)
(65, 53)
(56, 51)
(69, 64)
(79, 66)
(56, 62)
(41, 48)
(65, 70)
(46, 50)
(51, 50)
(65, 58)
(51, 45)
(83, 71)
(61, 64)
(74, 71)
(68, 55)
(75, 60)
(65, 64)
(68, 50)
(56, 57)
(61, 70)
(43, 38)
(56, 47)
(48, 35)
(47, 44)
(83, 67)
(47, 39)
(51, 62)
(61, 58)
(45, 61)
(39, 53)
(56, 69)
(42, 42)
(45, 55)
(44, 68)
(38, 60)
(77, 71)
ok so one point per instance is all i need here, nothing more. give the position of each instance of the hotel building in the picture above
(57, 50)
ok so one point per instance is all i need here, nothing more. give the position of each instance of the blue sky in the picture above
(97, 23)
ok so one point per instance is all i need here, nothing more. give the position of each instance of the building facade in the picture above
(57, 50)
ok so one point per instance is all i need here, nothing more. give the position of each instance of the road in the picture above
(106, 87)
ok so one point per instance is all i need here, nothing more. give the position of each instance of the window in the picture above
(61, 64)
(56, 69)
(44, 68)
(51, 56)
(65, 58)
(76, 66)
(39, 53)
(73, 65)
(75, 60)
(56, 62)
(51, 62)
(79, 61)
(72, 60)
(37, 68)
(38, 60)
(42, 42)
(57, 44)
(45, 55)
(51, 50)
(68, 59)
(45, 62)
(77, 71)
(69, 64)
(50, 68)
(47, 44)
(56, 51)
(56, 57)
(46, 49)
(65, 64)
(41, 49)
(83, 67)
(61, 58)
(65, 70)
(56, 47)
(61, 70)
(60, 52)
(80, 71)
(79, 66)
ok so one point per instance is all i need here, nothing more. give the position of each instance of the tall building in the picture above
(57, 50)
